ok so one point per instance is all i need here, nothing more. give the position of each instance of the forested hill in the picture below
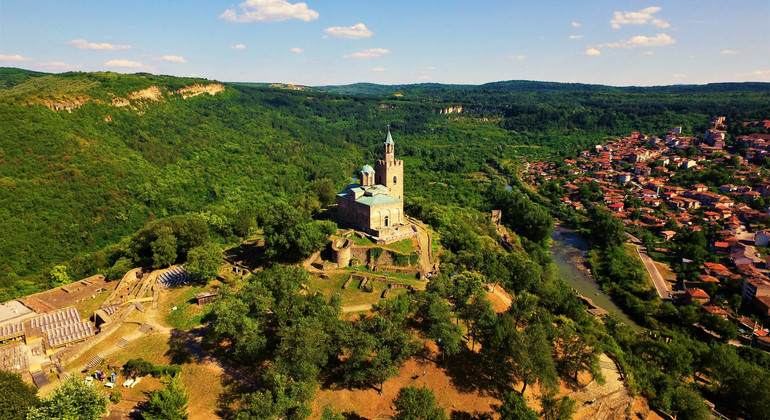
(86, 159)
(537, 86)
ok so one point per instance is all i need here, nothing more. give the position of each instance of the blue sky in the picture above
(319, 42)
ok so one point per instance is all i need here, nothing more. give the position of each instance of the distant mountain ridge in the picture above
(538, 86)
(10, 77)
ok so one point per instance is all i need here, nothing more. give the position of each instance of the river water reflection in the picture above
(569, 251)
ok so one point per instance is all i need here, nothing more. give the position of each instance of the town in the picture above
(646, 181)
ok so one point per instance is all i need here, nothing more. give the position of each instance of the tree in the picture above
(523, 307)
(292, 233)
(17, 397)
(164, 248)
(437, 318)
(605, 229)
(524, 356)
(577, 352)
(374, 348)
(240, 323)
(304, 348)
(414, 403)
(515, 408)
(281, 398)
(556, 409)
(169, 403)
(119, 269)
(203, 261)
(59, 276)
(331, 413)
(72, 400)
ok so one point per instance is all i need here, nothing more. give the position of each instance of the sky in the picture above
(322, 42)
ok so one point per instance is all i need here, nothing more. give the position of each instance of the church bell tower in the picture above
(389, 170)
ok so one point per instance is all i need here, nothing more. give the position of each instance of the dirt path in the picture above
(424, 241)
(356, 308)
(608, 401)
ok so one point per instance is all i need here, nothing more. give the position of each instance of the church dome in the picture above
(367, 169)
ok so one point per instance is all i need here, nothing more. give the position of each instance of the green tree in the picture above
(293, 234)
(204, 261)
(119, 269)
(331, 413)
(72, 400)
(414, 403)
(17, 397)
(515, 408)
(59, 276)
(556, 409)
(164, 248)
(576, 352)
(281, 398)
(169, 403)
(605, 229)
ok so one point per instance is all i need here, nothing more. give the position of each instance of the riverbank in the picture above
(569, 251)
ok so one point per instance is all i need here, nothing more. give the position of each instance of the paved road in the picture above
(657, 279)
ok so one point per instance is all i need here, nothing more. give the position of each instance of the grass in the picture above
(352, 295)
(87, 307)
(665, 272)
(632, 252)
(188, 314)
(151, 347)
(404, 246)
(400, 277)
(365, 241)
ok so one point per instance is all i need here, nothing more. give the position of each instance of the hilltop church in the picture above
(376, 206)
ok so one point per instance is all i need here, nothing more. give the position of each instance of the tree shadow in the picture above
(233, 392)
(179, 345)
(464, 415)
(465, 371)
(349, 415)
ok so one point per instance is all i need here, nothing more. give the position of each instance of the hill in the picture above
(86, 159)
(538, 86)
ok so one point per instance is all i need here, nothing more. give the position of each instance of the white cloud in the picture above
(648, 53)
(173, 59)
(370, 53)
(592, 51)
(729, 52)
(15, 57)
(356, 31)
(85, 45)
(517, 57)
(237, 47)
(679, 75)
(297, 50)
(379, 69)
(269, 11)
(122, 63)
(760, 73)
(576, 24)
(642, 17)
(658, 40)
(61, 66)
(576, 37)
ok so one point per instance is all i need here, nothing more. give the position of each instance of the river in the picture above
(569, 250)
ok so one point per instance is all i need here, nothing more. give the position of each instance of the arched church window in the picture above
(394, 179)
(387, 221)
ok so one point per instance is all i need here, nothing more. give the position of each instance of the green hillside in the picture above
(86, 159)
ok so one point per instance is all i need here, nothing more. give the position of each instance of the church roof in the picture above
(377, 200)
(389, 138)
(367, 169)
